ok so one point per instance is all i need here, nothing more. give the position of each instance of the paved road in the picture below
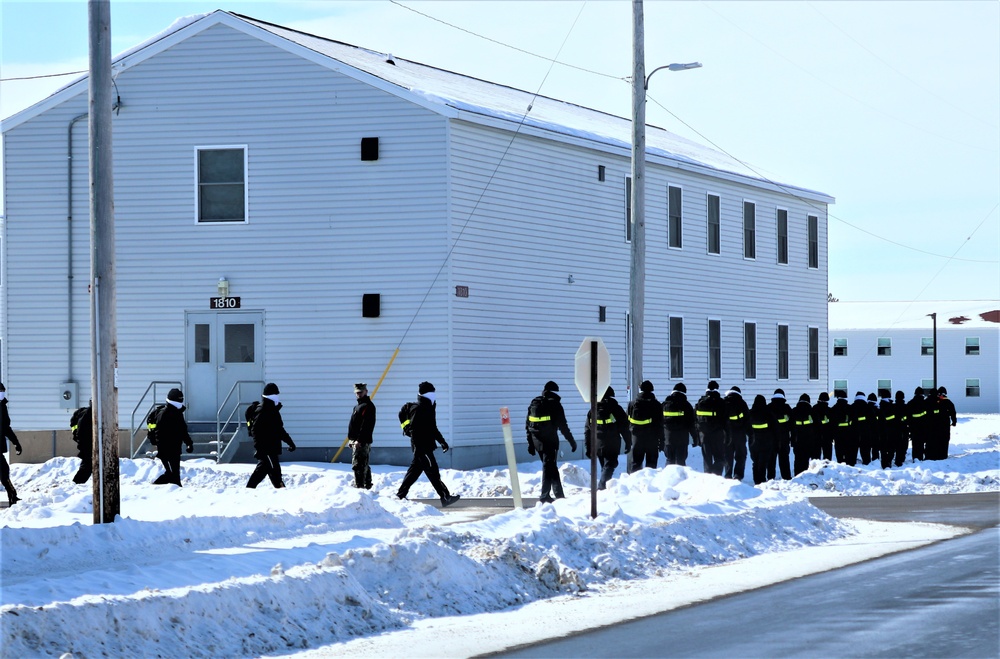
(942, 600)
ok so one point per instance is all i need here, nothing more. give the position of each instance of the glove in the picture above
(628, 448)
(444, 446)
(190, 447)
(531, 448)
(572, 444)
(17, 449)
(291, 446)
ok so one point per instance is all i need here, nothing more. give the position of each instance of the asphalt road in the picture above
(942, 600)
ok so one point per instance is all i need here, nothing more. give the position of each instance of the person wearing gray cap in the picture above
(359, 433)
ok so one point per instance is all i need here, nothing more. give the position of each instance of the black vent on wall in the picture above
(369, 148)
(371, 305)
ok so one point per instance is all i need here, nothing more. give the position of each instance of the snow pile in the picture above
(214, 569)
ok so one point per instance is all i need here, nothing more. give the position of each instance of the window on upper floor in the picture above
(750, 351)
(972, 387)
(840, 385)
(749, 230)
(675, 226)
(927, 346)
(714, 348)
(222, 189)
(884, 347)
(814, 353)
(782, 352)
(813, 241)
(972, 345)
(676, 347)
(884, 384)
(927, 385)
(840, 347)
(714, 224)
(782, 221)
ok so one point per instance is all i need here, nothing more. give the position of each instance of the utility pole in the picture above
(103, 317)
(637, 278)
(934, 348)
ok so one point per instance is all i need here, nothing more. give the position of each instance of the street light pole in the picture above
(934, 347)
(637, 272)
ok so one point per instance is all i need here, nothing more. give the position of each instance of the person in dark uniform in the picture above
(840, 424)
(645, 425)
(268, 434)
(876, 428)
(359, 434)
(902, 438)
(763, 440)
(7, 434)
(82, 425)
(805, 431)
(865, 422)
(546, 419)
(888, 429)
(171, 432)
(679, 424)
(612, 429)
(737, 429)
(944, 419)
(783, 432)
(824, 433)
(424, 438)
(916, 413)
(711, 414)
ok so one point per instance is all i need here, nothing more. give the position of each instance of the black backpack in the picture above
(151, 420)
(79, 417)
(251, 416)
(406, 416)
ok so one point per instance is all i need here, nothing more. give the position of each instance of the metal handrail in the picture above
(237, 388)
(133, 431)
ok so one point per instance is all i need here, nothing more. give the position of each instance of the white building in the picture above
(354, 205)
(890, 345)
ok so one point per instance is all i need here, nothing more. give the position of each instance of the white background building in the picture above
(489, 241)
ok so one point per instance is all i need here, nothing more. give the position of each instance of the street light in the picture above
(637, 272)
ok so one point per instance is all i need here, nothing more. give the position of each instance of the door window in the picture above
(239, 343)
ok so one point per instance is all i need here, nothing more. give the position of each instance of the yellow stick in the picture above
(374, 391)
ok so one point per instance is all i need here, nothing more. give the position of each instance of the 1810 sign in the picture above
(223, 303)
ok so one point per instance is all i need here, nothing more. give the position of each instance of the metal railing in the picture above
(149, 394)
(228, 429)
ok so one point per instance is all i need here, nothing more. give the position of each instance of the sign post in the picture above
(508, 442)
(592, 378)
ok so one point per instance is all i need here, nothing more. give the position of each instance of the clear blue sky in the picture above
(891, 107)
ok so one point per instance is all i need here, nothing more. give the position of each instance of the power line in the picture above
(47, 75)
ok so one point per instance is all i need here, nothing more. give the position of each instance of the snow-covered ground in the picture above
(319, 568)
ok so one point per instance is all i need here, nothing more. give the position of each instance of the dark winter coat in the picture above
(645, 415)
(424, 433)
(737, 418)
(679, 419)
(268, 431)
(763, 427)
(805, 430)
(783, 416)
(5, 429)
(711, 414)
(362, 423)
(171, 432)
(612, 428)
(546, 419)
(82, 425)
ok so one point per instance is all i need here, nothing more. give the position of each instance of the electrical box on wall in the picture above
(68, 396)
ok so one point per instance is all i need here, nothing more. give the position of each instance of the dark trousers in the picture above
(85, 470)
(5, 479)
(676, 449)
(763, 457)
(360, 466)
(422, 463)
(783, 450)
(608, 465)
(736, 456)
(269, 466)
(551, 482)
(803, 452)
(713, 452)
(866, 447)
(645, 453)
(826, 447)
(172, 470)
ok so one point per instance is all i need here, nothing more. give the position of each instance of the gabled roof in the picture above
(448, 93)
(887, 316)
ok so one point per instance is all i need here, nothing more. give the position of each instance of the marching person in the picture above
(612, 428)
(171, 432)
(824, 433)
(359, 434)
(424, 438)
(783, 416)
(737, 426)
(840, 426)
(711, 414)
(763, 440)
(546, 418)
(902, 437)
(7, 434)
(916, 413)
(804, 434)
(944, 419)
(268, 432)
(889, 429)
(82, 425)
(679, 423)
(644, 415)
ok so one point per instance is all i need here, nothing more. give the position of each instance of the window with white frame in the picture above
(813, 241)
(675, 223)
(714, 224)
(814, 353)
(676, 347)
(840, 347)
(927, 385)
(714, 349)
(782, 352)
(750, 351)
(972, 345)
(927, 346)
(884, 384)
(884, 347)
(782, 220)
(222, 189)
(749, 230)
(840, 385)
(972, 387)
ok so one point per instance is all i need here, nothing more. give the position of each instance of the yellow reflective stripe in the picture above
(639, 422)
(602, 422)
(539, 419)
(402, 425)
(804, 423)
(890, 417)
(151, 426)
(737, 417)
(825, 421)
(861, 418)
(783, 419)
(673, 413)
(845, 423)
(919, 414)
(704, 413)
(758, 426)
(73, 428)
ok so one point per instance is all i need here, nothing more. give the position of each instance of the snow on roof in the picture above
(914, 315)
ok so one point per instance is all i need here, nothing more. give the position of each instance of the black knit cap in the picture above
(883, 393)
(610, 393)
(680, 387)
(550, 386)
(2, 388)
(872, 397)
(804, 397)
(860, 393)
(824, 396)
(359, 387)
(736, 389)
(941, 390)
(712, 385)
(779, 392)
(646, 386)
(271, 389)
(175, 395)
(425, 387)
(919, 391)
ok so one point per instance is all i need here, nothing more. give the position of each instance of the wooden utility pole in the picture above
(103, 318)
(637, 277)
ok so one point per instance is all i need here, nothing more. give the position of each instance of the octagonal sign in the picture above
(582, 372)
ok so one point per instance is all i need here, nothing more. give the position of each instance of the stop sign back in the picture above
(582, 371)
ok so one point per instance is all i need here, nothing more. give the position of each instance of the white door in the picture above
(223, 348)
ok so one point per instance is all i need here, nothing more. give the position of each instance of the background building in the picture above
(294, 209)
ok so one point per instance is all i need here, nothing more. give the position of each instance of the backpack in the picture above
(251, 416)
(151, 420)
(79, 416)
(405, 417)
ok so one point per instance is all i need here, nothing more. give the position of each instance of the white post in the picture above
(508, 441)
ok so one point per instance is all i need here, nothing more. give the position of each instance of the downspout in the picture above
(69, 247)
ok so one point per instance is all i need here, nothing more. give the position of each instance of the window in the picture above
(927, 346)
(674, 222)
(222, 184)
(676, 347)
(715, 349)
(628, 209)
(813, 241)
(782, 352)
(782, 236)
(750, 351)
(972, 388)
(602, 314)
(884, 384)
(814, 353)
(239, 343)
(202, 344)
(714, 230)
(840, 347)
(972, 345)
(749, 230)
(840, 385)
(884, 348)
